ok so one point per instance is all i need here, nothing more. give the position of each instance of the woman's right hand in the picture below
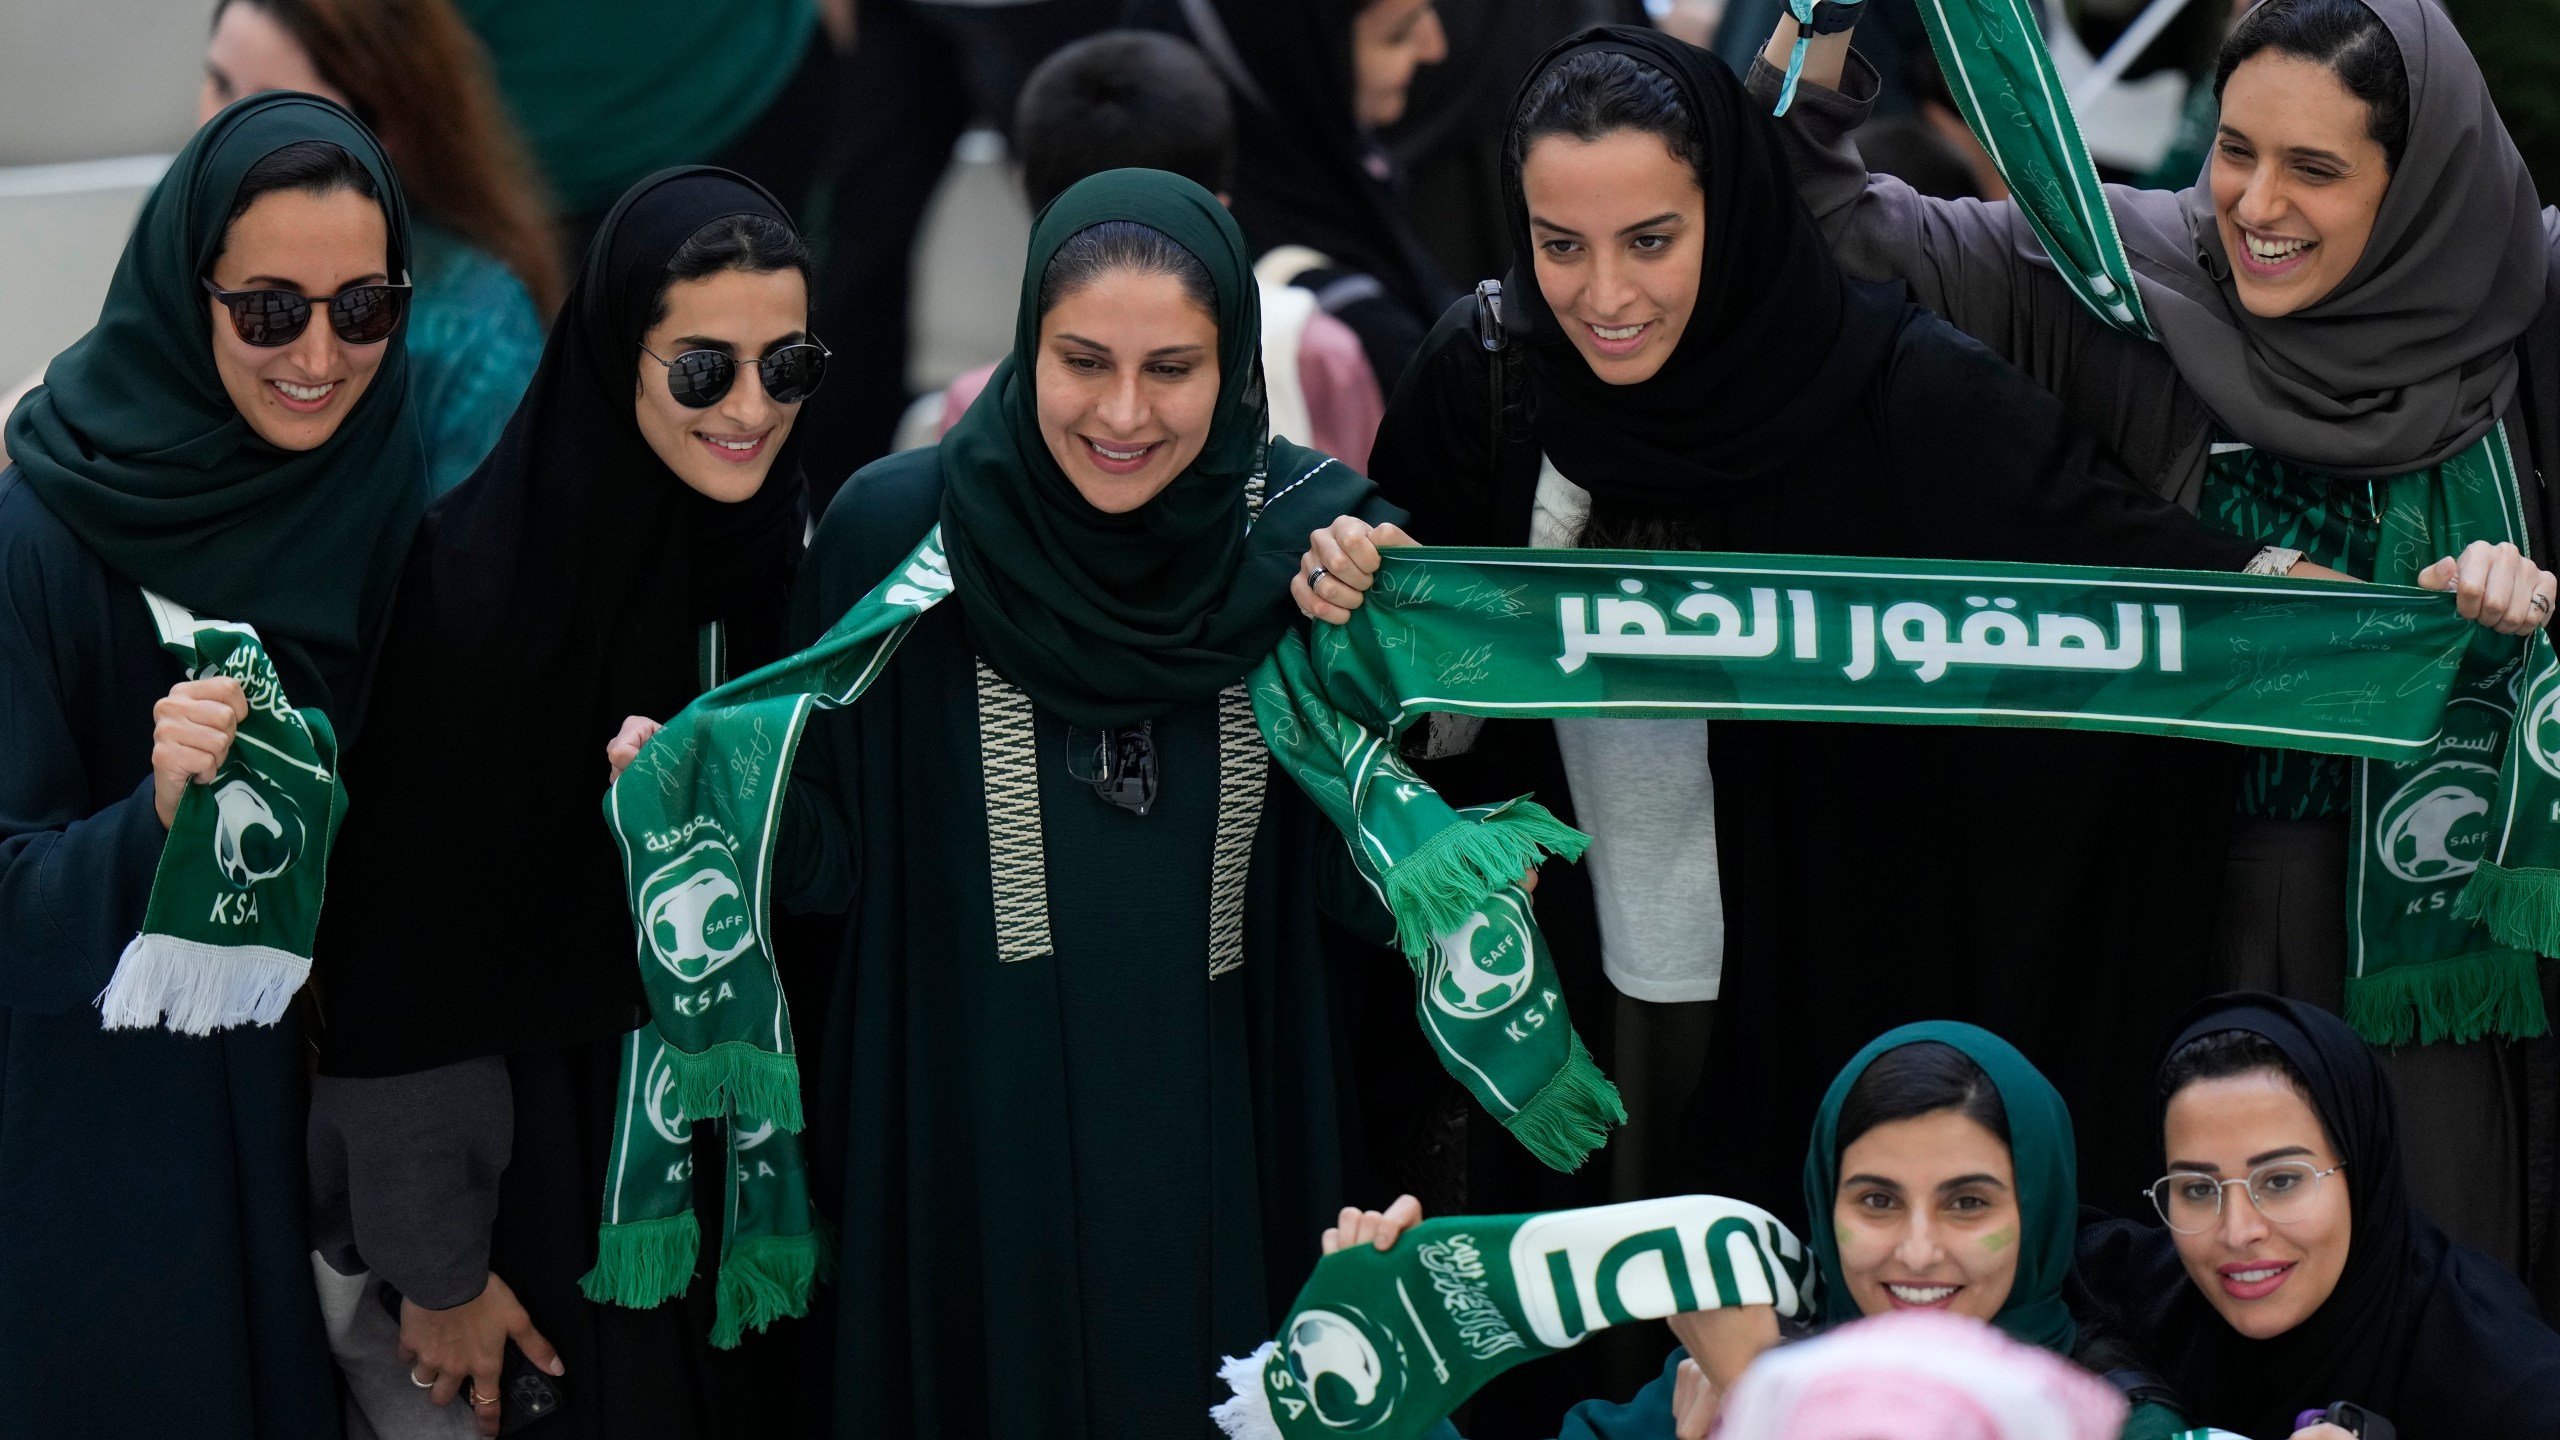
(1724, 1341)
(1373, 1227)
(1694, 1400)
(191, 730)
(465, 1348)
(1341, 560)
(626, 743)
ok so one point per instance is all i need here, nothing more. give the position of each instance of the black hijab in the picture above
(559, 589)
(1780, 346)
(133, 443)
(2434, 1337)
(1303, 163)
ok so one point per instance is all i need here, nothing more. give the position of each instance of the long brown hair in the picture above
(414, 72)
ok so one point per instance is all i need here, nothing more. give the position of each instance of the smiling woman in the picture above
(2295, 1271)
(628, 543)
(253, 460)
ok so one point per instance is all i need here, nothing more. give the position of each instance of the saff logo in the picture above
(1337, 1361)
(693, 910)
(253, 839)
(2426, 833)
(2542, 725)
(659, 1088)
(1483, 967)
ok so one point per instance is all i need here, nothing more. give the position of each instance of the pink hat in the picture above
(1918, 1375)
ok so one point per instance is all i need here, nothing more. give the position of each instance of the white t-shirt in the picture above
(1643, 790)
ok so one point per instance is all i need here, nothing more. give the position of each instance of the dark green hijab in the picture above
(2040, 1147)
(1112, 619)
(133, 442)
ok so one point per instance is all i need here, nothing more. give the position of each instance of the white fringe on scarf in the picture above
(1248, 1415)
(199, 988)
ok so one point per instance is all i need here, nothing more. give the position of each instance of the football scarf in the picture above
(226, 936)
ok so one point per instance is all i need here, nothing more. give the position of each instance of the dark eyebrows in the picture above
(278, 282)
(1667, 217)
(1878, 1181)
(1962, 1181)
(2287, 1153)
(1158, 353)
(2298, 152)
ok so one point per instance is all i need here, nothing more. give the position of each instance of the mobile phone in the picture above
(2350, 1417)
(526, 1396)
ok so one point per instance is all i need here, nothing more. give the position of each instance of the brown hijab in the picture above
(2412, 357)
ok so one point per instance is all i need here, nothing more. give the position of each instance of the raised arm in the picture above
(1978, 265)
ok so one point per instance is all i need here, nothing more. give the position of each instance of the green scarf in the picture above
(2040, 1150)
(2444, 939)
(226, 937)
(1386, 1343)
(696, 816)
(134, 443)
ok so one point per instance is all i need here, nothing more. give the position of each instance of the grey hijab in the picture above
(2412, 357)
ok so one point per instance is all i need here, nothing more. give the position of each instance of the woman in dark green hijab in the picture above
(1078, 1113)
(249, 456)
(1941, 1176)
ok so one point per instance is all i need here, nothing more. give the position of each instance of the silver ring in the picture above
(2539, 601)
(421, 1384)
(1313, 576)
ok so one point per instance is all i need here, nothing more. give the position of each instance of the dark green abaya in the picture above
(155, 1276)
(1067, 1185)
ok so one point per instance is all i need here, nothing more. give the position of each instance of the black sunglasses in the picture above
(361, 314)
(698, 378)
(1124, 764)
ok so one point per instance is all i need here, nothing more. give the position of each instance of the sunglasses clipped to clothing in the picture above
(698, 378)
(268, 319)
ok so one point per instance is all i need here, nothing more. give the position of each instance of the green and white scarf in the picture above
(696, 815)
(226, 937)
(2464, 822)
(1387, 1343)
(2444, 936)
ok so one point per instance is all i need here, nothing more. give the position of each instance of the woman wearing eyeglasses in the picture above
(2294, 1272)
(247, 456)
(630, 541)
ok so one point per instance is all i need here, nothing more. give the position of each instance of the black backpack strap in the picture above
(1506, 419)
(2538, 396)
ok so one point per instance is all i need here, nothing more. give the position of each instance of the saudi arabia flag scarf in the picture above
(226, 937)
(1385, 1343)
(2449, 898)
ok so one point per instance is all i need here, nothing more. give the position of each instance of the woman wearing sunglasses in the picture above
(251, 456)
(630, 541)
(2294, 1271)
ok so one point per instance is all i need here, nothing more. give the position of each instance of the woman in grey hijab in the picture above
(2353, 296)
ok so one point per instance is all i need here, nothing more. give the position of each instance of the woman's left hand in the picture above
(1333, 576)
(2497, 586)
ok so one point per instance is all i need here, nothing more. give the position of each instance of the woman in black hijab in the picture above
(2319, 1280)
(631, 540)
(1311, 80)
(1680, 365)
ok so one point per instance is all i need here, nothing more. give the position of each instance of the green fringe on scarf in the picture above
(2495, 992)
(2520, 907)
(644, 1262)
(764, 1278)
(1571, 1115)
(1457, 870)
(737, 1078)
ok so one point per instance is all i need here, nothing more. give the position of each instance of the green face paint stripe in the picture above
(2000, 1239)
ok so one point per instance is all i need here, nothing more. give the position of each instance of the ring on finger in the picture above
(1315, 577)
(479, 1399)
(421, 1384)
(2539, 601)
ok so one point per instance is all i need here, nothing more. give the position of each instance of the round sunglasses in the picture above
(698, 378)
(361, 314)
